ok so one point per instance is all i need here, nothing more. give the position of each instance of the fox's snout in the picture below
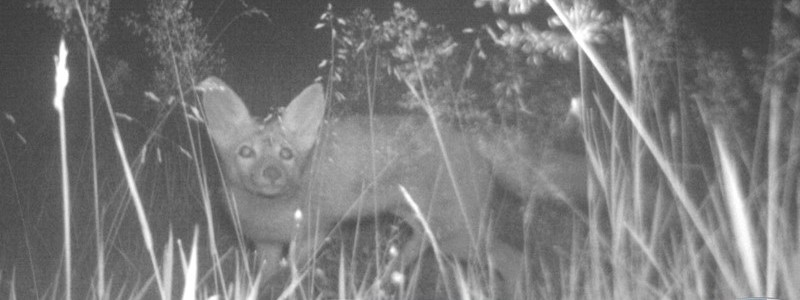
(269, 178)
(273, 175)
(273, 179)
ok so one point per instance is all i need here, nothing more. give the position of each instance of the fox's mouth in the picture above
(270, 183)
(271, 196)
(275, 193)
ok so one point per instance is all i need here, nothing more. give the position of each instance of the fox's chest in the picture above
(265, 219)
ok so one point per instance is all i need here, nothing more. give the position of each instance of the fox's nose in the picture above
(272, 173)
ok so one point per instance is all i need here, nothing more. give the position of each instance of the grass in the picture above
(658, 223)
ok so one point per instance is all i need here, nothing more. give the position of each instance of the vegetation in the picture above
(693, 155)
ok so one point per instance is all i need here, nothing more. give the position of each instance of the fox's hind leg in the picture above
(415, 246)
(414, 250)
(504, 258)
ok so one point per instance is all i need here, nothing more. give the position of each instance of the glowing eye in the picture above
(286, 153)
(246, 152)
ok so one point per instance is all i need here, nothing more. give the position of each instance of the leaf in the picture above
(151, 96)
(123, 116)
(10, 118)
(502, 24)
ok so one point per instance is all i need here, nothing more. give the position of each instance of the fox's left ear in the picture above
(304, 115)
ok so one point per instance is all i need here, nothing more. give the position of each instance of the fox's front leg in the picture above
(269, 257)
(303, 250)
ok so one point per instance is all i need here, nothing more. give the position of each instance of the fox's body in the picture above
(354, 166)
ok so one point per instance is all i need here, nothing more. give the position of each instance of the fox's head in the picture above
(264, 159)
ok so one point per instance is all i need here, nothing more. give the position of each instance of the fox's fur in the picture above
(339, 169)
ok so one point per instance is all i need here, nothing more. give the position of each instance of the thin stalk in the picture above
(98, 227)
(774, 175)
(740, 218)
(62, 79)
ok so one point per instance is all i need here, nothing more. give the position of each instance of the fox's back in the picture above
(361, 161)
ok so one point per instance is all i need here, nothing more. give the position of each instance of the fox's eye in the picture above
(286, 153)
(246, 152)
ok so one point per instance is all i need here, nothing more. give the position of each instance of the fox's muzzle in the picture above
(269, 180)
(273, 175)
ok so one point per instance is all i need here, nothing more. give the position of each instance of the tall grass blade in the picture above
(190, 268)
(62, 79)
(739, 216)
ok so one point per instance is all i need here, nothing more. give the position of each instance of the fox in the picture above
(332, 170)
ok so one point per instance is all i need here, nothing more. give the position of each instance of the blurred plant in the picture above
(178, 42)
(487, 82)
(355, 59)
(95, 13)
(543, 43)
(427, 57)
(380, 56)
(418, 50)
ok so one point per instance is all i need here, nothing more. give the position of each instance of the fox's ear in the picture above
(304, 115)
(225, 112)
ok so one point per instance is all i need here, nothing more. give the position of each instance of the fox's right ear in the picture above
(225, 112)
